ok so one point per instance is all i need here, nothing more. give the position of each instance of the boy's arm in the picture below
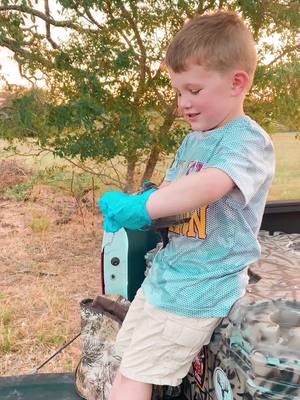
(189, 192)
(164, 184)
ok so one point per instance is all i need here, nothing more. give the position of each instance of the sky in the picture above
(9, 68)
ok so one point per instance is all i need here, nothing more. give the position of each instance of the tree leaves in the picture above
(107, 95)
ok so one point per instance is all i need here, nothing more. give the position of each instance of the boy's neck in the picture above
(230, 117)
(236, 114)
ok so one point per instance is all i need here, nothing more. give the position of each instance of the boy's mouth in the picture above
(192, 115)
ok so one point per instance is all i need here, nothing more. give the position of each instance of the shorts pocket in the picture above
(183, 344)
(185, 339)
(179, 334)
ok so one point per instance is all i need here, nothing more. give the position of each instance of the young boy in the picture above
(220, 177)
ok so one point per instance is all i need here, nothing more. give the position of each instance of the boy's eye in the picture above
(195, 91)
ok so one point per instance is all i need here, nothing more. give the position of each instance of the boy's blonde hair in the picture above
(219, 41)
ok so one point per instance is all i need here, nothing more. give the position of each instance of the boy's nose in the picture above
(184, 102)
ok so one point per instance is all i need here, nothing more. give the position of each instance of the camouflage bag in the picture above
(101, 320)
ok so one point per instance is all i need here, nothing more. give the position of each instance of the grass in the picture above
(39, 223)
(48, 339)
(286, 185)
(2, 296)
(47, 269)
(41, 162)
(70, 254)
(6, 341)
(5, 316)
(19, 192)
(60, 177)
(38, 266)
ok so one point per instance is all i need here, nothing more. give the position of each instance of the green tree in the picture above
(107, 93)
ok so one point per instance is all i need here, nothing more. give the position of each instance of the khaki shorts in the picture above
(158, 347)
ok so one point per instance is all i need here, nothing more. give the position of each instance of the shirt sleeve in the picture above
(172, 172)
(247, 157)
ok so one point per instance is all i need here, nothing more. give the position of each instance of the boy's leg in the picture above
(115, 386)
(124, 388)
(156, 347)
(128, 389)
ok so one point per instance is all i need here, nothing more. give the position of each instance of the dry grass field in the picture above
(286, 184)
(50, 241)
(49, 262)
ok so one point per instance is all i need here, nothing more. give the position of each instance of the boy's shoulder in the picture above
(236, 129)
(245, 130)
(236, 137)
(253, 127)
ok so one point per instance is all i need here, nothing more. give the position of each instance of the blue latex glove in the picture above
(121, 210)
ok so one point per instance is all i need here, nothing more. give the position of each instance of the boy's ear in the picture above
(240, 83)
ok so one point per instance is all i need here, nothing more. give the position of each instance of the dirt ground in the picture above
(49, 261)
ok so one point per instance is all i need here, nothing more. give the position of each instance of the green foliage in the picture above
(2, 296)
(64, 180)
(104, 84)
(5, 316)
(5, 330)
(39, 224)
(49, 339)
(6, 345)
(59, 179)
(19, 192)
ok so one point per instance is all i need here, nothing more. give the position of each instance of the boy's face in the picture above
(205, 97)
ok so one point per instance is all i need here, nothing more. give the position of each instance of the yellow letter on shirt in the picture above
(195, 227)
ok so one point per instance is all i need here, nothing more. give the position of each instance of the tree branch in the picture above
(84, 168)
(21, 70)
(156, 149)
(17, 50)
(48, 32)
(14, 46)
(91, 18)
(153, 79)
(143, 57)
(127, 40)
(121, 182)
(44, 17)
(283, 53)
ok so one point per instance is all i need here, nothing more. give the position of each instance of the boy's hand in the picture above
(121, 210)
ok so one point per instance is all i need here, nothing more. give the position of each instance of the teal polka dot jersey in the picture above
(203, 269)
